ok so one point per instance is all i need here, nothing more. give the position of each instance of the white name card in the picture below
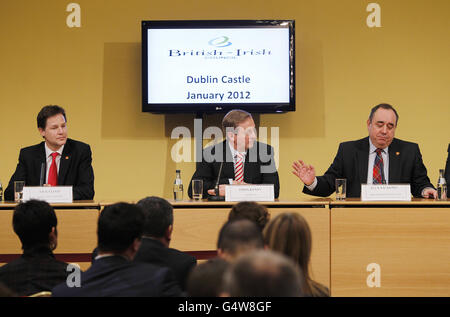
(50, 194)
(391, 192)
(249, 192)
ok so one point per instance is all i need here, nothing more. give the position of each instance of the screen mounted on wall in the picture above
(215, 66)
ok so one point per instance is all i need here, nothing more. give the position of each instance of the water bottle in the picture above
(441, 186)
(178, 187)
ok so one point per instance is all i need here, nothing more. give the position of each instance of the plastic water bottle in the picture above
(441, 186)
(178, 187)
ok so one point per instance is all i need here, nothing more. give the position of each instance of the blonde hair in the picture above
(289, 234)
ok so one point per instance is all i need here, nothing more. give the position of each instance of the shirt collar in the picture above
(49, 152)
(373, 148)
(233, 151)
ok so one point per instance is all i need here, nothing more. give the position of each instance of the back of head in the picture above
(205, 280)
(289, 234)
(158, 214)
(233, 118)
(237, 237)
(33, 221)
(47, 112)
(118, 226)
(250, 210)
(263, 273)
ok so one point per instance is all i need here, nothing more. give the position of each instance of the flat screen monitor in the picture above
(215, 66)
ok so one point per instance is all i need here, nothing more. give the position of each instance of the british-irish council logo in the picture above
(221, 41)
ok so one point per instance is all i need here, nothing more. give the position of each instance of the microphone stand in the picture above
(217, 197)
(42, 174)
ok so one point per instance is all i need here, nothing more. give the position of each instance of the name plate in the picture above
(392, 192)
(249, 192)
(53, 194)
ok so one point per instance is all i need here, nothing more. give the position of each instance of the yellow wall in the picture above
(343, 69)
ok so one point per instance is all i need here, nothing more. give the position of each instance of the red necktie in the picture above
(378, 166)
(53, 171)
(239, 168)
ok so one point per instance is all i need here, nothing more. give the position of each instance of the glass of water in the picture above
(18, 191)
(341, 188)
(197, 189)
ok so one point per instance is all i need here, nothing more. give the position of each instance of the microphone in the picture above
(217, 197)
(42, 175)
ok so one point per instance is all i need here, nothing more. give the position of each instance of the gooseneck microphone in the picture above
(42, 175)
(217, 197)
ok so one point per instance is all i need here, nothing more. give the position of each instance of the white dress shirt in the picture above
(372, 156)
(48, 155)
(234, 155)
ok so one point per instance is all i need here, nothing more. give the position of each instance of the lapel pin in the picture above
(68, 157)
(397, 153)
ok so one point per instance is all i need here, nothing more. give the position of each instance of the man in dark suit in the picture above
(377, 159)
(114, 273)
(156, 240)
(36, 270)
(245, 161)
(447, 169)
(56, 161)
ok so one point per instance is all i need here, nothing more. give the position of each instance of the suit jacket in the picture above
(259, 167)
(447, 169)
(35, 271)
(154, 252)
(116, 276)
(352, 161)
(75, 169)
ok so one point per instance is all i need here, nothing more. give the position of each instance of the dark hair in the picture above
(238, 235)
(234, 117)
(383, 106)
(250, 210)
(158, 214)
(263, 273)
(33, 221)
(118, 226)
(289, 234)
(205, 279)
(6, 292)
(47, 112)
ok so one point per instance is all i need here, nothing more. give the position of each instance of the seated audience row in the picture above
(133, 257)
(246, 232)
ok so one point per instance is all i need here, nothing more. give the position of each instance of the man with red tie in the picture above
(239, 159)
(379, 158)
(56, 161)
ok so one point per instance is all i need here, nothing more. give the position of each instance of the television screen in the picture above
(216, 66)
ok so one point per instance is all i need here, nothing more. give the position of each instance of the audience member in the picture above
(263, 273)
(252, 211)
(158, 229)
(238, 237)
(206, 279)
(289, 234)
(36, 270)
(113, 273)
